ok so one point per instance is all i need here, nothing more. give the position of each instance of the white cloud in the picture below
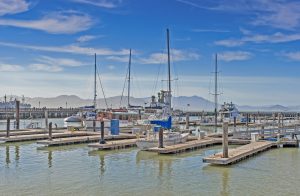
(60, 61)
(86, 38)
(295, 56)
(260, 38)
(101, 3)
(45, 67)
(229, 42)
(74, 49)
(281, 14)
(210, 30)
(10, 67)
(13, 6)
(234, 56)
(55, 23)
(122, 59)
(176, 55)
(111, 67)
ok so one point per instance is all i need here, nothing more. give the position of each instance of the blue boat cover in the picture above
(167, 124)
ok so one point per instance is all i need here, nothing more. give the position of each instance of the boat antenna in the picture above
(169, 72)
(95, 83)
(129, 72)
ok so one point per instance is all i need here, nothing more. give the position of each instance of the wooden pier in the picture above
(240, 153)
(194, 144)
(110, 145)
(21, 138)
(84, 139)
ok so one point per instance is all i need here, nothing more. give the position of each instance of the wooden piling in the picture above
(225, 140)
(46, 119)
(50, 131)
(7, 127)
(187, 121)
(102, 141)
(234, 122)
(161, 138)
(94, 125)
(17, 114)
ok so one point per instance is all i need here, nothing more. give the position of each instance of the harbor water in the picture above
(28, 169)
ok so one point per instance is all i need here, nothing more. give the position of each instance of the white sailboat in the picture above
(169, 137)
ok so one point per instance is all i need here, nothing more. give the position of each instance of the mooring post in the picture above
(234, 122)
(102, 141)
(262, 132)
(161, 138)
(187, 120)
(50, 131)
(17, 114)
(46, 119)
(247, 120)
(225, 140)
(94, 125)
(7, 127)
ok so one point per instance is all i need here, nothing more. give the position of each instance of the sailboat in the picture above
(88, 113)
(169, 137)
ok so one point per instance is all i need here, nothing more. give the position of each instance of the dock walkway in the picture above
(194, 144)
(21, 138)
(240, 153)
(84, 139)
(110, 145)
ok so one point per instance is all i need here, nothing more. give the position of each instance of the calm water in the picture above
(26, 169)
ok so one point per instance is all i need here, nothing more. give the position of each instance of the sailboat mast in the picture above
(169, 74)
(169, 61)
(129, 75)
(216, 91)
(95, 83)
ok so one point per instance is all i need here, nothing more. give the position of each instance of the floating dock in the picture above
(84, 139)
(240, 153)
(110, 145)
(24, 132)
(193, 144)
(21, 138)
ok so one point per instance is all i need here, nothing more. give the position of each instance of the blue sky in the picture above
(47, 47)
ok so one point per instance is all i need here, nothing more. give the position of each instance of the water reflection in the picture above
(7, 160)
(49, 158)
(163, 163)
(223, 172)
(17, 154)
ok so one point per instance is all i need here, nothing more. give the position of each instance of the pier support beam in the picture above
(7, 127)
(102, 141)
(17, 114)
(50, 131)
(225, 140)
(161, 138)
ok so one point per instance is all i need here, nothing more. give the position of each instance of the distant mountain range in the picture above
(196, 103)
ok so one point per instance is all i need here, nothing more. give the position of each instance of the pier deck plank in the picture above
(239, 153)
(20, 138)
(194, 144)
(27, 132)
(185, 146)
(114, 144)
(84, 139)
